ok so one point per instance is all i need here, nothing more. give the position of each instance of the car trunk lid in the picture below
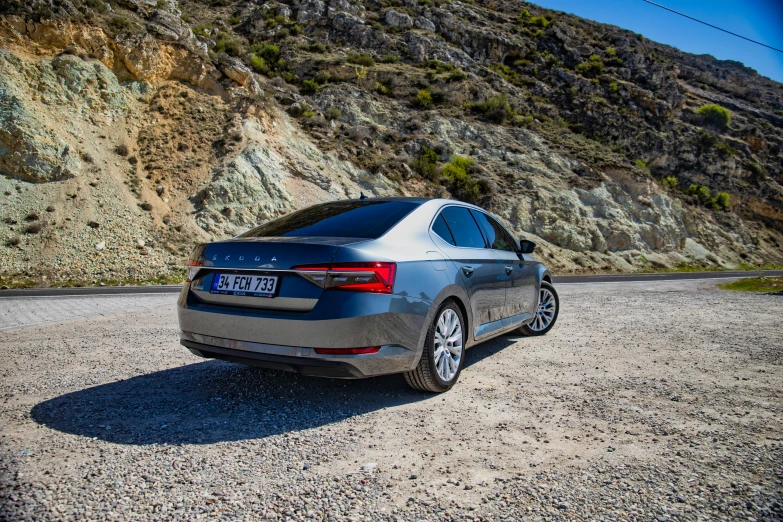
(270, 257)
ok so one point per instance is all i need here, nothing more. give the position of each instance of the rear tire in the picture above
(444, 352)
(546, 312)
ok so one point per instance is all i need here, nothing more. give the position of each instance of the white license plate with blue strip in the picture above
(249, 285)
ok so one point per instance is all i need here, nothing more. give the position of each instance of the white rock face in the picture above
(246, 191)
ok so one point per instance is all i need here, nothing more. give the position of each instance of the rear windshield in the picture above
(363, 219)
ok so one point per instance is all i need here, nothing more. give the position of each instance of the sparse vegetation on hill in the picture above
(200, 118)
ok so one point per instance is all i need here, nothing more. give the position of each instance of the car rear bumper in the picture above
(339, 320)
(389, 359)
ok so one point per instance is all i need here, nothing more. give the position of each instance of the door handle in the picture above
(509, 269)
(467, 269)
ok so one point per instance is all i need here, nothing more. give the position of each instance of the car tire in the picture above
(443, 355)
(546, 312)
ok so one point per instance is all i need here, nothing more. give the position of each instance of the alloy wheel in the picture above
(448, 344)
(545, 313)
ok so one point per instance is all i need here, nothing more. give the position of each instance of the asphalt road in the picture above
(564, 279)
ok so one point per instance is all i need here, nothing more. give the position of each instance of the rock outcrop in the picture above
(148, 129)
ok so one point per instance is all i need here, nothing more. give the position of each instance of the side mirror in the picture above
(526, 247)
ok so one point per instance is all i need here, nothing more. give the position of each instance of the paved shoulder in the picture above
(667, 276)
(28, 312)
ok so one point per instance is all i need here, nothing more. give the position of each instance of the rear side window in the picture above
(442, 229)
(463, 227)
(360, 219)
(496, 235)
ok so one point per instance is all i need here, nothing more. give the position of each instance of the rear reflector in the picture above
(373, 276)
(346, 351)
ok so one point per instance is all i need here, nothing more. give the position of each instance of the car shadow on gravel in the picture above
(216, 401)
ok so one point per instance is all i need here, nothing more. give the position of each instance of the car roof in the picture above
(410, 199)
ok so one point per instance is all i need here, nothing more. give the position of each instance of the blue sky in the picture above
(760, 20)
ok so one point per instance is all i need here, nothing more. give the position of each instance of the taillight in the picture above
(373, 276)
(347, 351)
(195, 262)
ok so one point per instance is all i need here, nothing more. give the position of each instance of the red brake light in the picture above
(372, 276)
(347, 351)
(195, 262)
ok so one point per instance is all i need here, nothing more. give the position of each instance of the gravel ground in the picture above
(646, 402)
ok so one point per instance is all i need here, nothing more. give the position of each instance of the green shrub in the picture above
(333, 113)
(390, 58)
(525, 19)
(539, 21)
(461, 184)
(757, 171)
(423, 99)
(289, 77)
(228, 45)
(426, 163)
(670, 182)
(381, 89)
(611, 51)
(641, 163)
(456, 76)
(614, 87)
(725, 149)
(234, 20)
(496, 109)
(715, 115)
(269, 52)
(701, 192)
(592, 67)
(309, 87)
(120, 23)
(361, 59)
(322, 77)
(97, 5)
(317, 47)
(510, 75)
(722, 200)
(440, 67)
(308, 114)
(201, 29)
(295, 30)
(258, 63)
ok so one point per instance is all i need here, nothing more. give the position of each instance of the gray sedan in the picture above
(365, 287)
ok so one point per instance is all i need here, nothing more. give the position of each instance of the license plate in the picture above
(249, 285)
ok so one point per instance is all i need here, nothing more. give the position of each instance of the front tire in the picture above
(444, 352)
(546, 312)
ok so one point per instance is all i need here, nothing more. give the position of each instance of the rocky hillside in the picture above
(131, 129)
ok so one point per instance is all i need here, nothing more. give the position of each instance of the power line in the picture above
(713, 26)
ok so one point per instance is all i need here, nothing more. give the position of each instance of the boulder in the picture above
(239, 72)
(310, 11)
(397, 19)
(168, 26)
(424, 24)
